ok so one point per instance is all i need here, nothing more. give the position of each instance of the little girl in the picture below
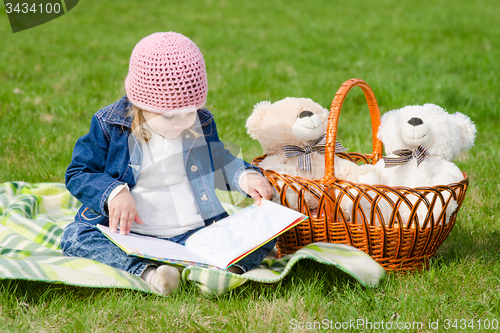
(151, 162)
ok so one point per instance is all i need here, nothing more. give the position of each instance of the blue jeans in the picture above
(85, 240)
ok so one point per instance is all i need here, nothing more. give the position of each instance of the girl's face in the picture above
(169, 126)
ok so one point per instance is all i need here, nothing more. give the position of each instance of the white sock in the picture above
(164, 278)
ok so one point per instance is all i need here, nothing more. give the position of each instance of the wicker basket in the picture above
(399, 227)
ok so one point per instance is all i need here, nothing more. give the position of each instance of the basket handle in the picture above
(333, 118)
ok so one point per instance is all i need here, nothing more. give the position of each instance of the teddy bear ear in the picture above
(466, 128)
(433, 107)
(253, 124)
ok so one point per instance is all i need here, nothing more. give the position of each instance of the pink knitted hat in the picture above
(167, 74)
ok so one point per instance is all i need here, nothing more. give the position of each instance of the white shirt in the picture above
(164, 198)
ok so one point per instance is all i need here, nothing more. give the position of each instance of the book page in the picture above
(155, 248)
(218, 244)
(243, 231)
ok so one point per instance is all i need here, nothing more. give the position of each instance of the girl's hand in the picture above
(257, 186)
(122, 210)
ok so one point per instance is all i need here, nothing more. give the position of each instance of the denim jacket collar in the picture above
(118, 113)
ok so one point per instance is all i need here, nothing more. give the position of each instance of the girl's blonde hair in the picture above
(138, 122)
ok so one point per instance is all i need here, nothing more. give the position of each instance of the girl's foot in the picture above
(164, 278)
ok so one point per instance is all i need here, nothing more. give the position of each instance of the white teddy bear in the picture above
(292, 135)
(421, 143)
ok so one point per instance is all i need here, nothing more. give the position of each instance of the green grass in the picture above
(54, 77)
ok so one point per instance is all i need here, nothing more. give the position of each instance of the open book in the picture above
(219, 245)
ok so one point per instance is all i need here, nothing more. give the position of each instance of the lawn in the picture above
(54, 77)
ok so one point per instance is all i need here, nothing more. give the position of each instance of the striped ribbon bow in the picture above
(405, 156)
(304, 153)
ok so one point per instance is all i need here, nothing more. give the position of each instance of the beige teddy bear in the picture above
(292, 133)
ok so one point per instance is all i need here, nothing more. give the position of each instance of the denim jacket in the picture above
(110, 155)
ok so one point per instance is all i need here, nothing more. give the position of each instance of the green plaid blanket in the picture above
(33, 217)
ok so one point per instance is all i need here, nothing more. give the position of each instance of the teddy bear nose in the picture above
(415, 121)
(304, 114)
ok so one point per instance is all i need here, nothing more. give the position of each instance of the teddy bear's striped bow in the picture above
(304, 153)
(405, 156)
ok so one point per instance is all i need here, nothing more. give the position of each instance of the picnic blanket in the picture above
(33, 217)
